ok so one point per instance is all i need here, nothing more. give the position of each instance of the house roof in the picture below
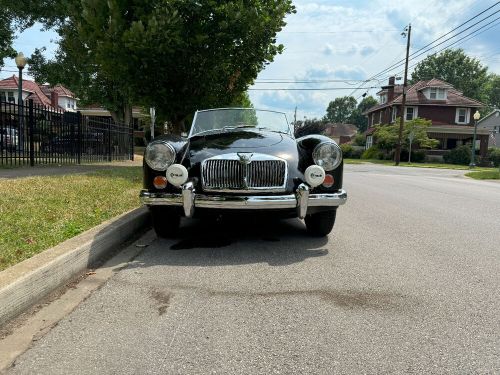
(415, 96)
(495, 111)
(40, 94)
(340, 130)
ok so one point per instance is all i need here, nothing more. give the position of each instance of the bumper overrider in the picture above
(188, 199)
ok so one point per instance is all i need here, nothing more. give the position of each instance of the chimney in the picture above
(54, 99)
(390, 89)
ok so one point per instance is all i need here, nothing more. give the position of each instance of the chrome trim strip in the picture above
(244, 202)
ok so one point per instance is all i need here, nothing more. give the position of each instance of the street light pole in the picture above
(397, 156)
(472, 164)
(21, 63)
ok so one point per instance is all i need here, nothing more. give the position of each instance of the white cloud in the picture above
(354, 39)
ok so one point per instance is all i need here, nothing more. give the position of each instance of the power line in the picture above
(337, 32)
(414, 56)
(397, 65)
(309, 89)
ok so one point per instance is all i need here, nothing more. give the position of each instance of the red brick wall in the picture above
(441, 115)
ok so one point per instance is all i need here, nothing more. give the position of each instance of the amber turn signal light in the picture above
(160, 182)
(328, 181)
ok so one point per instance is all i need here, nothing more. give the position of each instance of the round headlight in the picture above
(159, 155)
(327, 155)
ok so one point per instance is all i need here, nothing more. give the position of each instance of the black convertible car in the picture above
(240, 159)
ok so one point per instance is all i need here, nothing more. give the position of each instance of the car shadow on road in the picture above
(232, 242)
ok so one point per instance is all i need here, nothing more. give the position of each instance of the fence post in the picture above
(131, 143)
(79, 138)
(31, 125)
(109, 142)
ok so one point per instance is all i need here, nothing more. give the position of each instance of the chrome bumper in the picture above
(301, 200)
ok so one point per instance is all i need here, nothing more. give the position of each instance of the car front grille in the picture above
(230, 174)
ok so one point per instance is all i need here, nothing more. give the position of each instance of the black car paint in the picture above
(193, 151)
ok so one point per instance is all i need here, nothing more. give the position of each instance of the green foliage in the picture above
(492, 91)
(242, 101)
(359, 140)
(350, 152)
(465, 73)
(494, 156)
(175, 55)
(484, 175)
(372, 153)
(386, 136)
(6, 34)
(312, 126)
(460, 155)
(340, 110)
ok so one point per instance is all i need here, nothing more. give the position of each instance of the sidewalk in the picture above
(55, 170)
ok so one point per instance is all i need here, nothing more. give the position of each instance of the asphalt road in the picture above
(409, 282)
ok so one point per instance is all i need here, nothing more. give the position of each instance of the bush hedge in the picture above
(459, 155)
(494, 156)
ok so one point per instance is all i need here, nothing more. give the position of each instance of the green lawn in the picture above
(415, 165)
(37, 213)
(485, 175)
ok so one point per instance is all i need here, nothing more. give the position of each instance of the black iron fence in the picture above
(31, 134)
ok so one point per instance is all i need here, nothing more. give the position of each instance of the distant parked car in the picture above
(240, 160)
(9, 138)
(90, 143)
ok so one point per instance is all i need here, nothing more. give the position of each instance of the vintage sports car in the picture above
(237, 160)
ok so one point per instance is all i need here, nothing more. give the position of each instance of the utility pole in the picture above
(295, 119)
(397, 156)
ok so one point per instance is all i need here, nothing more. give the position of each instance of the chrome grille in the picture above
(230, 174)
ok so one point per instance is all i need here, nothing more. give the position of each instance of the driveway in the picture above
(408, 282)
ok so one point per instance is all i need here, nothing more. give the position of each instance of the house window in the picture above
(380, 117)
(410, 113)
(383, 99)
(373, 119)
(11, 97)
(3, 98)
(437, 93)
(394, 114)
(369, 141)
(68, 105)
(462, 116)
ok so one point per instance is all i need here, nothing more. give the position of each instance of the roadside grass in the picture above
(484, 175)
(416, 165)
(37, 213)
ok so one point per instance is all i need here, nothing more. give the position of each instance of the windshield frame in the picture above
(290, 133)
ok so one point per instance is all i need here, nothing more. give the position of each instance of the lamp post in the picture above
(477, 116)
(21, 63)
(152, 113)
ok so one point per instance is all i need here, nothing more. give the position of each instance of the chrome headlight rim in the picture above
(331, 164)
(170, 149)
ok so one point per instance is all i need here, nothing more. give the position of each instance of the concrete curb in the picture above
(26, 283)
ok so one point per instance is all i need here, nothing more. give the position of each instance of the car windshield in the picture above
(239, 118)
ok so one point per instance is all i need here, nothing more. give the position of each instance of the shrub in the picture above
(459, 155)
(356, 153)
(494, 155)
(347, 150)
(372, 153)
(417, 156)
(359, 140)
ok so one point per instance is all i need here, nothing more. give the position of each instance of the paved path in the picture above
(409, 282)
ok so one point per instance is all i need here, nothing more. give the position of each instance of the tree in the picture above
(174, 55)
(311, 126)
(6, 34)
(465, 73)
(386, 136)
(492, 90)
(358, 118)
(341, 109)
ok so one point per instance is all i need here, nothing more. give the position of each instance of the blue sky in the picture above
(341, 39)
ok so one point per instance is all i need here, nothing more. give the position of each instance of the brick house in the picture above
(450, 112)
(56, 97)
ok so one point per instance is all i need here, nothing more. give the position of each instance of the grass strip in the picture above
(37, 213)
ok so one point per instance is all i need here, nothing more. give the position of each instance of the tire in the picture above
(165, 221)
(321, 223)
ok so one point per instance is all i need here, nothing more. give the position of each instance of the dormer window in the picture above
(436, 93)
(383, 99)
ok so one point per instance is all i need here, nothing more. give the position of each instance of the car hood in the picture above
(266, 142)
